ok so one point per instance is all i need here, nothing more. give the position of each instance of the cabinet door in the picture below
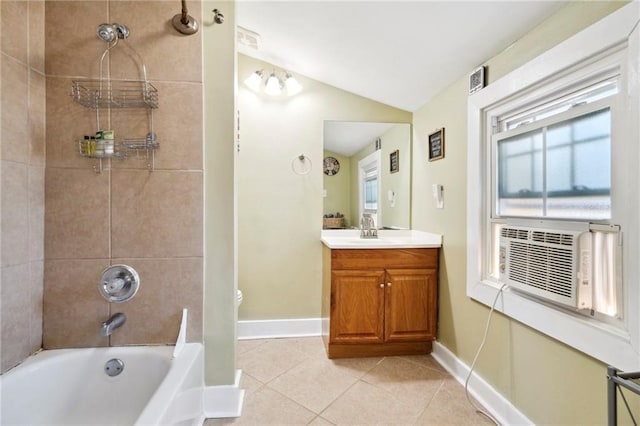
(410, 308)
(357, 306)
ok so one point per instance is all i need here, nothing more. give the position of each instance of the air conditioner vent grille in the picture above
(552, 238)
(541, 262)
(538, 236)
(520, 234)
(545, 268)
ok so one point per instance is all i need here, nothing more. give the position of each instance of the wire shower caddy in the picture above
(104, 94)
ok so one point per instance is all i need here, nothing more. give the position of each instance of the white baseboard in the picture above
(223, 401)
(269, 329)
(499, 407)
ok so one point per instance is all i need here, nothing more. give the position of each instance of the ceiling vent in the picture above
(248, 38)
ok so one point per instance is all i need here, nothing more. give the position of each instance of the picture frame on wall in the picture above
(394, 161)
(436, 145)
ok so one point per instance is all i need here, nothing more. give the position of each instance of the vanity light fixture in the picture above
(273, 86)
(292, 85)
(274, 83)
(254, 80)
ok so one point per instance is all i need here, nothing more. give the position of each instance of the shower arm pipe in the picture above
(185, 13)
(183, 23)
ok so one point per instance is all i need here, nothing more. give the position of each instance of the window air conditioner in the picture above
(550, 264)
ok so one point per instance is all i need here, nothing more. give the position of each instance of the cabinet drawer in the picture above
(384, 258)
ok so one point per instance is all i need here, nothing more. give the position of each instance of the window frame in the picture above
(496, 138)
(365, 165)
(614, 39)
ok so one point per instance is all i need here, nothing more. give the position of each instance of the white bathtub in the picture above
(70, 387)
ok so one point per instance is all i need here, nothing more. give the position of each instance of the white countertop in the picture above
(350, 239)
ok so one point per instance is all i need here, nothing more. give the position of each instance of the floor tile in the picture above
(356, 367)
(270, 359)
(450, 407)
(268, 407)
(314, 383)
(414, 384)
(366, 404)
(319, 421)
(292, 382)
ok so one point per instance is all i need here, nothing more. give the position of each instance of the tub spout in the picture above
(116, 321)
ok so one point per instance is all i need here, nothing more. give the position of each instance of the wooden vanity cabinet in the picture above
(379, 301)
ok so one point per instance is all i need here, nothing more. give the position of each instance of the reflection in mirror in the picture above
(367, 169)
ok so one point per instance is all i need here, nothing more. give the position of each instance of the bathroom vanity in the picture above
(379, 296)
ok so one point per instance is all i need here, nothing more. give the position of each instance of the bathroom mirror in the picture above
(367, 169)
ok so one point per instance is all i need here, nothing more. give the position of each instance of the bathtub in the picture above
(71, 387)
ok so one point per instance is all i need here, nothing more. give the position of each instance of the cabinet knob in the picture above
(388, 284)
(382, 285)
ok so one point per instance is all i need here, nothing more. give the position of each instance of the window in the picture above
(369, 186)
(552, 163)
(371, 191)
(559, 167)
(554, 146)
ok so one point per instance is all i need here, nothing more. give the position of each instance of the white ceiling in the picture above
(348, 137)
(395, 52)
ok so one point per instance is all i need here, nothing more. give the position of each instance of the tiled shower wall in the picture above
(22, 152)
(150, 220)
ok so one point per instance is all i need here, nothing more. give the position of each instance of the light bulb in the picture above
(273, 87)
(254, 80)
(292, 85)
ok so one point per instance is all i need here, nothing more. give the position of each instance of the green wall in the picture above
(220, 254)
(547, 381)
(338, 189)
(280, 212)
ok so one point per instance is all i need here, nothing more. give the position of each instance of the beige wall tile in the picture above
(36, 35)
(23, 118)
(15, 143)
(73, 308)
(168, 54)
(76, 214)
(37, 118)
(177, 124)
(15, 315)
(14, 217)
(154, 314)
(156, 214)
(36, 213)
(36, 293)
(13, 25)
(67, 121)
(72, 47)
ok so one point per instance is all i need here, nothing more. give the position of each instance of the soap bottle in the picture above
(109, 146)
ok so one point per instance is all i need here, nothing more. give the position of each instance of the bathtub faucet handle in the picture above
(115, 321)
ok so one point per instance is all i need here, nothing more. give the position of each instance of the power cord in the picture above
(473, 364)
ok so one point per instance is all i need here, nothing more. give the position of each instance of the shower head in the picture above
(184, 23)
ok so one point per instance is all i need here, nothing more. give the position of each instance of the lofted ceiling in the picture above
(348, 137)
(400, 53)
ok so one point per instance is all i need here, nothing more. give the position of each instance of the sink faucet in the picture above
(368, 229)
(116, 321)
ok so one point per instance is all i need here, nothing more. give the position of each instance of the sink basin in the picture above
(386, 239)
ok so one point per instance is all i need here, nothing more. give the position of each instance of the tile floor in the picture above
(291, 382)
